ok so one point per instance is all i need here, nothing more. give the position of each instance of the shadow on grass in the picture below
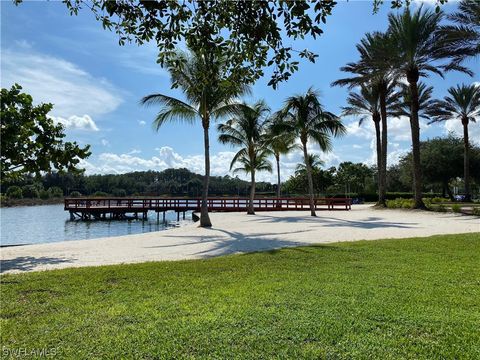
(27, 263)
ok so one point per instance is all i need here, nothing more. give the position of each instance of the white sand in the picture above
(237, 232)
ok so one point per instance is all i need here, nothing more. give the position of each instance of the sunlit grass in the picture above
(411, 298)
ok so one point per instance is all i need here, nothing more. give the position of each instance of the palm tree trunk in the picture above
(251, 210)
(204, 217)
(466, 160)
(382, 188)
(310, 180)
(277, 158)
(412, 78)
(376, 121)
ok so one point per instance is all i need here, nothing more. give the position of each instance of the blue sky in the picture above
(95, 86)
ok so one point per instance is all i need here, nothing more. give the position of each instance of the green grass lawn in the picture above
(389, 299)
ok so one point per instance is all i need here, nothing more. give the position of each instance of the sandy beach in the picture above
(236, 233)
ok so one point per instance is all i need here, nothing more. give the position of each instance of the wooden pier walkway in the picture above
(119, 208)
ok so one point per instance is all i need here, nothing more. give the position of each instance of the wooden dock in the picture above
(122, 208)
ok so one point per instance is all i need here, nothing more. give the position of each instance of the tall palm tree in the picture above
(305, 116)
(417, 41)
(366, 104)
(425, 102)
(462, 104)
(280, 143)
(247, 129)
(461, 40)
(374, 70)
(209, 94)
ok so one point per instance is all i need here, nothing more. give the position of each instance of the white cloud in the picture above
(142, 123)
(455, 126)
(54, 80)
(105, 142)
(74, 122)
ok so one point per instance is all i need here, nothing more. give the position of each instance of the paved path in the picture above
(237, 232)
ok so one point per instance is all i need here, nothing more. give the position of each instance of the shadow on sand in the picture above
(229, 242)
(27, 263)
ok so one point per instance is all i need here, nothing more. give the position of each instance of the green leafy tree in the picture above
(31, 142)
(247, 129)
(210, 95)
(463, 104)
(304, 116)
(355, 175)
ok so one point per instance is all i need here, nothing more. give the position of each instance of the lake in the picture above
(50, 223)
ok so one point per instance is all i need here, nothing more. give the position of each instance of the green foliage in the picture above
(100, 194)
(476, 211)
(44, 194)
(14, 192)
(30, 191)
(119, 192)
(390, 296)
(400, 203)
(439, 200)
(56, 191)
(456, 208)
(440, 208)
(31, 142)
(75, 194)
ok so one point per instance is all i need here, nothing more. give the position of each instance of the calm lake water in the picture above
(50, 223)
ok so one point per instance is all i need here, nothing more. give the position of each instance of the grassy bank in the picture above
(413, 298)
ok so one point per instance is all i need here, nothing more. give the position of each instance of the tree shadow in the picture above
(231, 242)
(28, 263)
(367, 223)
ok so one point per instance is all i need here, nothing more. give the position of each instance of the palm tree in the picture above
(462, 104)
(462, 39)
(366, 104)
(373, 70)
(314, 161)
(425, 102)
(280, 143)
(247, 129)
(210, 96)
(304, 116)
(417, 42)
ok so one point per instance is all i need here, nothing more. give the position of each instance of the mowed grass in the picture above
(411, 298)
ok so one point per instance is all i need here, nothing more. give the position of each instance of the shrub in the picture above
(44, 194)
(456, 208)
(30, 191)
(56, 192)
(119, 192)
(476, 211)
(100, 194)
(441, 208)
(14, 192)
(407, 203)
(75, 194)
(439, 199)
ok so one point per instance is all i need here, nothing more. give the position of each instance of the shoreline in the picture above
(236, 233)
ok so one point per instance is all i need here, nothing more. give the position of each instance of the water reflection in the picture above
(50, 223)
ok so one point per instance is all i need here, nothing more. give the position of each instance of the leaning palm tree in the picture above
(462, 104)
(417, 42)
(210, 95)
(374, 70)
(461, 40)
(305, 116)
(280, 143)
(247, 129)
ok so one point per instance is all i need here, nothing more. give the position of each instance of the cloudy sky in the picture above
(95, 86)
